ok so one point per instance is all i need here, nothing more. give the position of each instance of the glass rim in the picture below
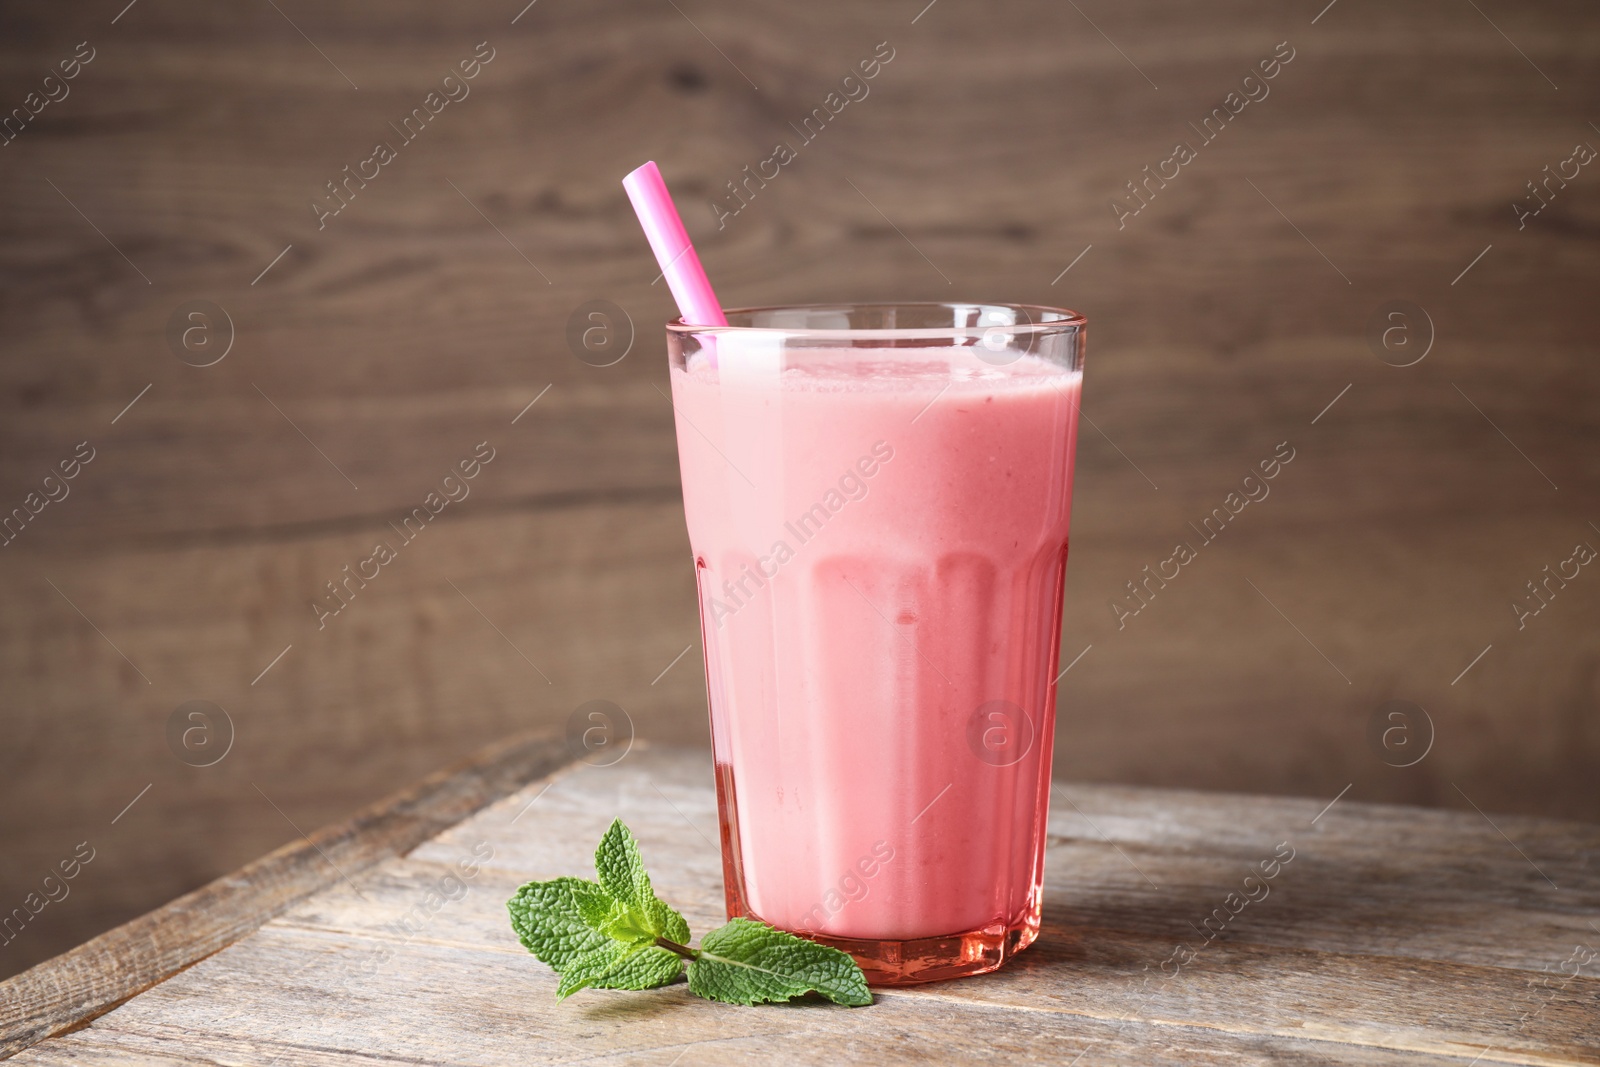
(1067, 320)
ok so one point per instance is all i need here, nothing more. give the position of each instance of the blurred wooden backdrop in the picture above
(377, 352)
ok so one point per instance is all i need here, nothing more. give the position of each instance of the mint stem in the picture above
(683, 950)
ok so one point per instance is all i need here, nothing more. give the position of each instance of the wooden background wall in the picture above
(378, 351)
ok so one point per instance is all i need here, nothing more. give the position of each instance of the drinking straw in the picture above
(680, 264)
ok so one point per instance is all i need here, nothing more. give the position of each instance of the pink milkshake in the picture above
(879, 522)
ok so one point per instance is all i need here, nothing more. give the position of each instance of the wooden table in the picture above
(1393, 935)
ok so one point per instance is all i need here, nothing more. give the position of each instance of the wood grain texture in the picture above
(1393, 935)
(414, 326)
(95, 977)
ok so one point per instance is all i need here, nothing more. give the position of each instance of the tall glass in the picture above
(877, 499)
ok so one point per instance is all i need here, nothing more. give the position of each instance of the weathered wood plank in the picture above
(655, 1027)
(95, 977)
(1392, 935)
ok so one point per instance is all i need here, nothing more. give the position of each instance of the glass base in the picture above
(887, 963)
(933, 959)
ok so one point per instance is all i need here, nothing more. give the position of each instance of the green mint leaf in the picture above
(557, 920)
(592, 967)
(641, 915)
(595, 905)
(668, 923)
(628, 926)
(747, 962)
(621, 869)
(646, 967)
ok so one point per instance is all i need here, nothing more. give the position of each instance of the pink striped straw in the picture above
(680, 264)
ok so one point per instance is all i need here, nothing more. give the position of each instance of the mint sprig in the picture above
(617, 934)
